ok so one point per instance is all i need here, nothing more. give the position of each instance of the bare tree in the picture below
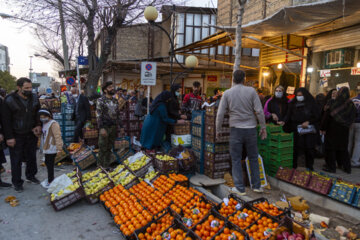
(94, 15)
(239, 34)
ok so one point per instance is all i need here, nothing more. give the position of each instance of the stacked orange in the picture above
(209, 228)
(163, 184)
(175, 234)
(268, 208)
(180, 195)
(244, 218)
(195, 191)
(229, 234)
(128, 213)
(178, 177)
(152, 199)
(262, 228)
(229, 209)
(194, 211)
(155, 229)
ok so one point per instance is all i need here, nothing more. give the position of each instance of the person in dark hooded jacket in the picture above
(335, 126)
(302, 119)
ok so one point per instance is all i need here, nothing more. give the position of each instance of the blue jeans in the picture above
(238, 138)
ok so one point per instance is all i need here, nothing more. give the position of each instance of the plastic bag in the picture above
(59, 183)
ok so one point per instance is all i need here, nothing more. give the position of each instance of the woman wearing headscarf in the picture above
(335, 126)
(276, 107)
(154, 127)
(302, 119)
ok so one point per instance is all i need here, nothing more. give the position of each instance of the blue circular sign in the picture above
(49, 90)
(148, 67)
(70, 81)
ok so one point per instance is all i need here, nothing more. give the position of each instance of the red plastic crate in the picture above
(285, 174)
(301, 178)
(320, 184)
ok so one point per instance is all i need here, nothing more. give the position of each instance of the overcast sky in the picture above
(22, 43)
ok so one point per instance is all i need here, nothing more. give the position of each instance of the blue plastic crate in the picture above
(198, 117)
(356, 201)
(342, 192)
(199, 161)
(196, 143)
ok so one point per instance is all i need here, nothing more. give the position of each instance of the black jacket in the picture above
(17, 118)
(300, 112)
(82, 111)
(173, 108)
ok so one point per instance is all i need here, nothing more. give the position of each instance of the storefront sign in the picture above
(355, 71)
(345, 84)
(148, 73)
(325, 73)
(212, 78)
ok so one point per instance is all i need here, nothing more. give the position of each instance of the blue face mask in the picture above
(177, 94)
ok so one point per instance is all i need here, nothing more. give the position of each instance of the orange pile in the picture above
(209, 228)
(268, 208)
(257, 231)
(196, 209)
(228, 233)
(128, 213)
(175, 234)
(180, 195)
(229, 209)
(163, 184)
(155, 229)
(178, 177)
(152, 199)
(244, 218)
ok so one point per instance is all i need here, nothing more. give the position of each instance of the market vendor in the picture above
(108, 118)
(192, 101)
(152, 133)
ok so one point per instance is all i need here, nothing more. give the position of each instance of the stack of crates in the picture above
(276, 150)
(197, 138)
(93, 140)
(67, 126)
(131, 123)
(216, 150)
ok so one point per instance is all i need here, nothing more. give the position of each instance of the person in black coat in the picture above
(276, 107)
(335, 125)
(302, 119)
(81, 114)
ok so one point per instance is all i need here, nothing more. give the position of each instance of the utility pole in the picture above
(63, 37)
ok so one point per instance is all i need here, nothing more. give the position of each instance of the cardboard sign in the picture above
(355, 71)
(345, 84)
(263, 180)
(325, 73)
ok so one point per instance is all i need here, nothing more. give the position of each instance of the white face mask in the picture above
(300, 98)
(278, 94)
(75, 95)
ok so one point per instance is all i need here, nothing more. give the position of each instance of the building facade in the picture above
(4, 59)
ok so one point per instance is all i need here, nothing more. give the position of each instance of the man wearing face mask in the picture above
(21, 128)
(276, 107)
(108, 118)
(192, 101)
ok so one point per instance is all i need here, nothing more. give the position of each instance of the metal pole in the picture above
(148, 98)
(63, 37)
(30, 75)
(78, 74)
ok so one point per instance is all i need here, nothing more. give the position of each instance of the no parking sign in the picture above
(148, 73)
(70, 81)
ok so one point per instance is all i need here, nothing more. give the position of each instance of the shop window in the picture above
(246, 51)
(347, 57)
(334, 57)
(255, 52)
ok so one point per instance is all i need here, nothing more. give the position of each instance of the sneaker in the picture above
(33, 180)
(4, 184)
(258, 190)
(236, 191)
(19, 189)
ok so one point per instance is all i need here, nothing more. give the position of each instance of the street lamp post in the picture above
(151, 14)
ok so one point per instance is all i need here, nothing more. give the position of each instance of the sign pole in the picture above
(148, 98)
(78, 74)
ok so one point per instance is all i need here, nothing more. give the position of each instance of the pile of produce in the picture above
(69, 184)
(137, 161)
(164, 157)
(95, 181)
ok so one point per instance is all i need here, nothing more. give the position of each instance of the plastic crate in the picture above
(356, 202)
(196, 143)
(301, 178)
(183, 129)
(217, 166)
(281, 158)
(217, 157)
(281, 137)
(196, 130)
(284, 213)
(216, 147)
(84, 158)
(281, 151)
(197, 117)
(320, 184)
(215, 174)
(343, 192)
(277, 144)
(166, 166)
(212, 138)
(285, 174)
(273, 129)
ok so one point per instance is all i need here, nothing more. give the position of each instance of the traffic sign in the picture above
(148, 73)
(49, 91)
(70, 81)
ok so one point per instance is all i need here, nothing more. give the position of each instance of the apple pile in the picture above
(288, 236)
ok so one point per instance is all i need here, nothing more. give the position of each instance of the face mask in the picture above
(44, 120)
(27, 93)
(300, 98)
(75, 95)
(278, 94)
(112, 92)
(177, 94)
